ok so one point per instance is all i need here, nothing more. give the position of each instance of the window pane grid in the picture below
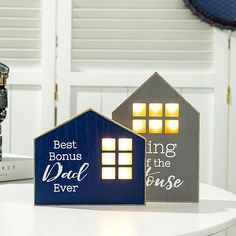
(155, 118)
(117, 164)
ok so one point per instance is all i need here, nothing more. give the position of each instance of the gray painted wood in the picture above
(183, 162)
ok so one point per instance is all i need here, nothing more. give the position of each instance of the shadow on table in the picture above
(205, 206)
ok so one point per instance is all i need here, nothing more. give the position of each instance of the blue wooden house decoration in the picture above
(90, 159)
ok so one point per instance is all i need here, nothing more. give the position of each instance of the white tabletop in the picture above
(18, 216)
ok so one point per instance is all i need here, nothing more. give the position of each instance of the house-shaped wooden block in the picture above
(90, 160)
(171, 126)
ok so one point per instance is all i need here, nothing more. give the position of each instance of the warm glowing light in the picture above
(172, 110)
(125, 144)
(139, 109)
(108, 158)
(108, 144)
(125, 158)
(108, 173)
(124, 173)
(139, 126)
(171, 126)
(155, 109)
(155, 126)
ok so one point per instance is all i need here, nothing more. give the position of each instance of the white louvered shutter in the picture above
(138, 35)
(21, 33)
(107, 48)
(27, 45)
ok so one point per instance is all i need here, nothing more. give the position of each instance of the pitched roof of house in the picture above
(156, 76)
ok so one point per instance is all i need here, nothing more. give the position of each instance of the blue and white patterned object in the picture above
(220, 13)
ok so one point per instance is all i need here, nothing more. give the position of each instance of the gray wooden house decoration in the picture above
(171, 126)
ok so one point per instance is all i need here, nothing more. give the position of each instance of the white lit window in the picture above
(117, 158)
(155, 118)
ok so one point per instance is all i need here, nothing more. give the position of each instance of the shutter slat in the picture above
(21, 3)
(132, 14)
(20, 12)
(138, 24)
(19, 53)
(20, 33)
(142, 34)
(132, 4)
(138, 65)
(175, 45)
(20, 22)
(20, 42)
(142, 54)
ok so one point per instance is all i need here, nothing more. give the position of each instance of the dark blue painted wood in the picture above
(88, 130)
(219, 13)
